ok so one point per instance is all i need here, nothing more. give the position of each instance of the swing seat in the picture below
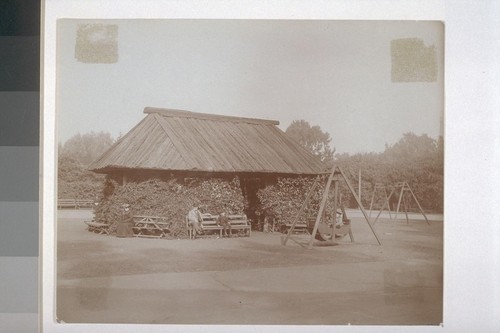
(325, 230)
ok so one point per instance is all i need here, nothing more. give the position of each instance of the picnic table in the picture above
(150, 226)
(97, 227)
(142, 226)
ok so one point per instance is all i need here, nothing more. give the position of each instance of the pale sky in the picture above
(335, 74)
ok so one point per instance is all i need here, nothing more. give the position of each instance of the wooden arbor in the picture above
(405, 191)
(335, 176)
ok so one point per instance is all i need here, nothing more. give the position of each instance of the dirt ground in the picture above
(252, 280)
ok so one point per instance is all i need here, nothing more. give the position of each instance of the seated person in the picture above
(195, 219)
(223, 220)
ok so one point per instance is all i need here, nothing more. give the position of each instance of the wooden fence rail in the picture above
(74, 203)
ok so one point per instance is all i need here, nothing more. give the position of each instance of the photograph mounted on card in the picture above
(249, 172)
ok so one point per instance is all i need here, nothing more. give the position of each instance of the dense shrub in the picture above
(171, 199)
(75, 182)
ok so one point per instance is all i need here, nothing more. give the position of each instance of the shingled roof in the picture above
(178, 140)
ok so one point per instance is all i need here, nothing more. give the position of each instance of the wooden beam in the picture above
(371, 202)
(350, 228)
(419, 207)
(322, 206)
(359, 184)
(406, 209)
(336, 193)
(388, 204)
(399, 201)
(388, 198)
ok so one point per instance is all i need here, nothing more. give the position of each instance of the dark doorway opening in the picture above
(250, 186)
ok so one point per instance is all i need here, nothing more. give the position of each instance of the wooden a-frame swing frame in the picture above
(403, 186)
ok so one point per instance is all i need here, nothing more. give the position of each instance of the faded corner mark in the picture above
(97, 43)
(412, 61)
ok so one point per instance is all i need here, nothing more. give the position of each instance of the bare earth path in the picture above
(256, 280)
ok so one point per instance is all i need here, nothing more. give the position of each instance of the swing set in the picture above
(405, 195)
(326, 231)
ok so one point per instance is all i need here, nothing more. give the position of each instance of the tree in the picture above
(75, 155)
(312, 138)
(86, 148)
(74, 181)
(418, 159)
(412, 146)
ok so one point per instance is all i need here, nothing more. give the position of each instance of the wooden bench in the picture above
(209, 223)
(300, 228)
(151, 226)
(98, 227)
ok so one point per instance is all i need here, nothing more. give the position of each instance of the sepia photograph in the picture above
(249, 172)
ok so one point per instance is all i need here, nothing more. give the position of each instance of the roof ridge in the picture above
(207, 116)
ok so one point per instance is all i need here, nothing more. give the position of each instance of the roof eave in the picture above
(110, 169)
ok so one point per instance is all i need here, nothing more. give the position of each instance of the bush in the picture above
(75, 182)
(171, 199)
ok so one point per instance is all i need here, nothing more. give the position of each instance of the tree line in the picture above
(415, 159)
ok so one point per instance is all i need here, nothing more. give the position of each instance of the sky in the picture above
(335, 74)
